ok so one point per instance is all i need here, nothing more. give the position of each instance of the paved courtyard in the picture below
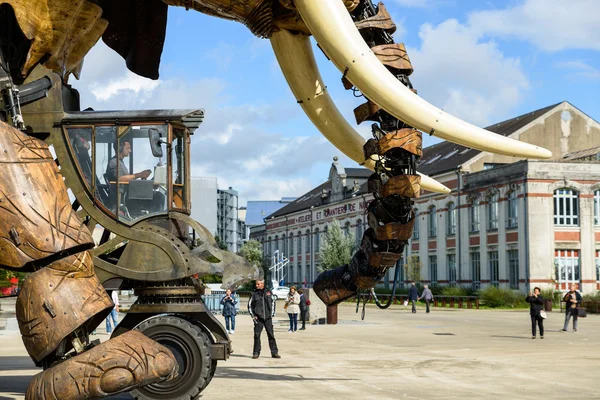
(392, 354)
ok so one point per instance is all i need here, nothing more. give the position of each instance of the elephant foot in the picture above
(121, 364)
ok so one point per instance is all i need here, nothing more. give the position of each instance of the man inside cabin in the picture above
(116, 164)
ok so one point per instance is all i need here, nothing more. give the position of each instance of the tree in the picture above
(220, 243)
(251, 251)
(337, 248)
(413, 268)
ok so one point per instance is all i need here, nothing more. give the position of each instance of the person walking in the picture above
(427, 295)
(413, 296)
(536, 306)
(261, 307)
(573, 300)
(303, 308)
(113, 314)
(228, 303)
(292, 307)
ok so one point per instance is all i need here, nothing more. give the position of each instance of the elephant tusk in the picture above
(334, 30)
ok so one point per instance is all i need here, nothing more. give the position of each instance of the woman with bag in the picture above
(573, 300)
(292, 307)
(536, 311)
(229, 312)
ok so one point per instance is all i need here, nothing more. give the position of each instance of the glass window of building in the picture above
(512, 210)
(492, 212)
(317, 240)
(475, 269)
(451, 260)
(291, 245)
(432, 222)
(269, 253)
(566, 207)
(567, 267)
(415, 234)
(308, 240)
(474, 216)
(433, 276)
(513, 268)
(347, 229)
(597, 266)
(299, 243)
(597, 207)
(359, 232)
(285, 244)
(494, 268)
(451, 219)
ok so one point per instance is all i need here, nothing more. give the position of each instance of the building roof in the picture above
(314, 197)
(446, 156)
(577, 155)
(257, 210)
(189, 117)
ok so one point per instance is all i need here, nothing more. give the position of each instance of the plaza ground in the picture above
(392, 354)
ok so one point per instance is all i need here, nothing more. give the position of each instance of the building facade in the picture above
(507, 222)
(227, 218)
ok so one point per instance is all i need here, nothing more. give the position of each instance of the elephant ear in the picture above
(60, 32)
(136, 30)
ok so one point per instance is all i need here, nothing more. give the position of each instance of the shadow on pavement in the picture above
(512, 337)
(235, 373)
(16, 385)
(11, 363)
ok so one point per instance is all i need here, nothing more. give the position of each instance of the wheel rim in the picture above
(188, 357)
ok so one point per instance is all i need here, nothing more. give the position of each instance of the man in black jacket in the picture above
(302, 308)
(261, 307)
(413, 296)
(536, 305)
(573, 300)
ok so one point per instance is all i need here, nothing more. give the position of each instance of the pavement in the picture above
(392, 354)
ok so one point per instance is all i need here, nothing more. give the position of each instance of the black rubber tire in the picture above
(191, 348)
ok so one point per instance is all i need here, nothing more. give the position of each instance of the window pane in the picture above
(178, 160)
(106, 185)
(81, 143)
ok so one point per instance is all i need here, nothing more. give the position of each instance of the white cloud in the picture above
(580, 69)
(464, 75)
(551, 25)
(130, 82)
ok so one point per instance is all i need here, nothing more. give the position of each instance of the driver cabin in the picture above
(133, 164)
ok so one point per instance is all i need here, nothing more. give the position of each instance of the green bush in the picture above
(494, 297)
(458, 291)
(592, 297)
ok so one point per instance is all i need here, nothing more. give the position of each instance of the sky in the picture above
(482, 61)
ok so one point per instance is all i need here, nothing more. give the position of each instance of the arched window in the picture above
(347, 229)
(308, 240)
(291, 245)
(474, 216)
(566, 207)
(359, 230)
(492, 212)
(299, 243)
(432, 222)
(285, 245)
(269, 254)
(276, 244)
(513, 213)
(451, 219)
(597, 208)
(415, 234)
(317, 240)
